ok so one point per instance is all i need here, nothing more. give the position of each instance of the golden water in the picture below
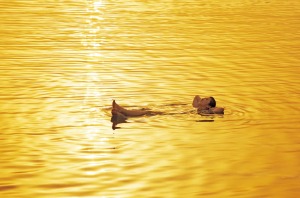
(63, 61)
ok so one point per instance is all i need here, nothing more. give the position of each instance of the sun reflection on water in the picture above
(95, 153)
(92, 43)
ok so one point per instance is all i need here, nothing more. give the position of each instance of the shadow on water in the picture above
(205, 120)
(209, 117)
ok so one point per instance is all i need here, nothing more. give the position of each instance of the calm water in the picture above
(63, 61)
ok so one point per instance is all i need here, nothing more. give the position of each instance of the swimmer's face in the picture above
(204, 103)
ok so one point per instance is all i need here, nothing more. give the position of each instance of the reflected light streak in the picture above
(98, 4)
(95, 54)
(92, 41)
(94, 164)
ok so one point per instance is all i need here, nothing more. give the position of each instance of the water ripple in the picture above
(63, 62)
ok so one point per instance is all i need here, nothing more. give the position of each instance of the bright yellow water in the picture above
(63, 61)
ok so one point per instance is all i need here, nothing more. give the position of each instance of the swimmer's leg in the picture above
(126, 112)
(117, 116)
(116, 106)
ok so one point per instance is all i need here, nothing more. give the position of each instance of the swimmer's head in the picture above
(207, 103)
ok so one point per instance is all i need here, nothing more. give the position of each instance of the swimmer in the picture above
(204, 106)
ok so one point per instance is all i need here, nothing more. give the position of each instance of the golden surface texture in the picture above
(63, 61)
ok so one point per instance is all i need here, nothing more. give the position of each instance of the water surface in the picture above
(62, 63)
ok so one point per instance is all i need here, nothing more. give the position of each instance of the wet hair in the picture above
(212, 102)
